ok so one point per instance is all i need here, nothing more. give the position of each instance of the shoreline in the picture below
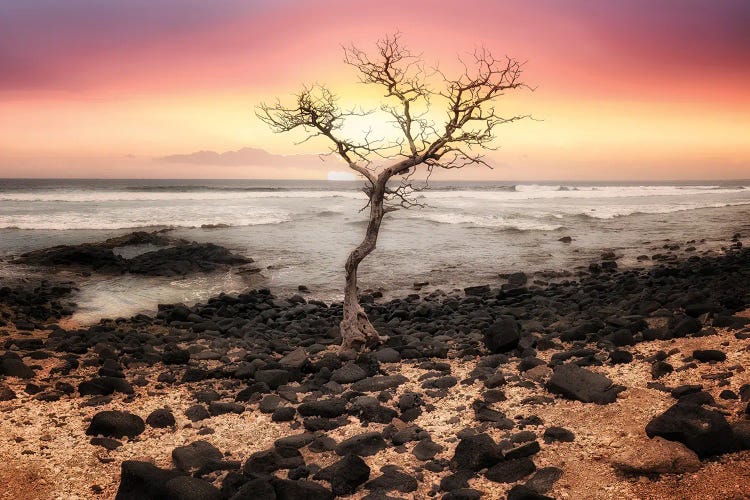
(256, 368)
(464, 238)
(91, 286)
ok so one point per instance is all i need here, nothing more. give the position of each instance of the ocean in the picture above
(299, 232)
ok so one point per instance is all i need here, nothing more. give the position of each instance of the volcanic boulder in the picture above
(82, 256)
(184, 259)
(502, 336)
(574, 382)
(476, 452)
(116, 424)
(704, 431)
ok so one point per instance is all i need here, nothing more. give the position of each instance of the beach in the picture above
(577, 383)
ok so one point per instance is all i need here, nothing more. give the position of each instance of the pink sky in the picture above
(626, 89)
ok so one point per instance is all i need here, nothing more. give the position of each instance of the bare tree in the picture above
(414, 100)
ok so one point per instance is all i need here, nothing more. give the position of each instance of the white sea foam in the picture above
(489, 221)
(535, 191)
(146, 196)
(610, 212)
(146, 217)
(502, 193)
(525, 207)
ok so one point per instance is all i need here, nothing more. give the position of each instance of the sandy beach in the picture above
(553, 390)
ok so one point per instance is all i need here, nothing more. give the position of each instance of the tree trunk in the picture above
(356, 330)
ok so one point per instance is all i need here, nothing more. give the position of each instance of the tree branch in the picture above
(317, 113)
(469, 101)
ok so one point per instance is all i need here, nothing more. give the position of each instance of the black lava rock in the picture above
(195, 455)
(392, 479)
(223, 407)
(523, 492)
(197, 413)
(191, 488)
(295, 490)
(364, 445)
(295, 441)
(184, 259)
(378, 383)
(13, 367)
(661, 368)
(273, 378)
(620, 357)
(104, 386)
(175, 357)
(706, 355)
(115, 424)
(463, 494)
(704, 431)
(476, 452)
(574, 382)
(106, 443)
(426, 449)
(328, 408)
(268, 461)
(686, 326)
(558, 434)
(525, 450)
(345, 475)
(82, 256)
(502, 336)
(283, 414)
(161, 418)
(510, 471)
(143, 480)
(544, 479)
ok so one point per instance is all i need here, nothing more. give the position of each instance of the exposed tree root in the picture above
(357, 332)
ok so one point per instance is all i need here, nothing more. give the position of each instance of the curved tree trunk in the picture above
(356, 330)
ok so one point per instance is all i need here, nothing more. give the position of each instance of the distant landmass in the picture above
(247, 157)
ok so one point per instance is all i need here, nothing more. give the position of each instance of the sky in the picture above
(624, 90)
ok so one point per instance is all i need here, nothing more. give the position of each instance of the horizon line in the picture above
(355, 180)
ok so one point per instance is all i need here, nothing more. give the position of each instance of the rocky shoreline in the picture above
(175, 257)
(608, 384)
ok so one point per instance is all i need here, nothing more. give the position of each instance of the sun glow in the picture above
(71, 108)
(341, 176)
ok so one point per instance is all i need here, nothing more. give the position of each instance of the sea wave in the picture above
(181, 188)
(549, 218)
(496, 192)
(503, 188)
(140, 196)
(145, 218)
(487, 221)
(714, 188)
(536, 191)
(543, 207)
(61, 226)
(604, 212)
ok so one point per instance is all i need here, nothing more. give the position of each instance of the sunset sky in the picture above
(626, 90)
